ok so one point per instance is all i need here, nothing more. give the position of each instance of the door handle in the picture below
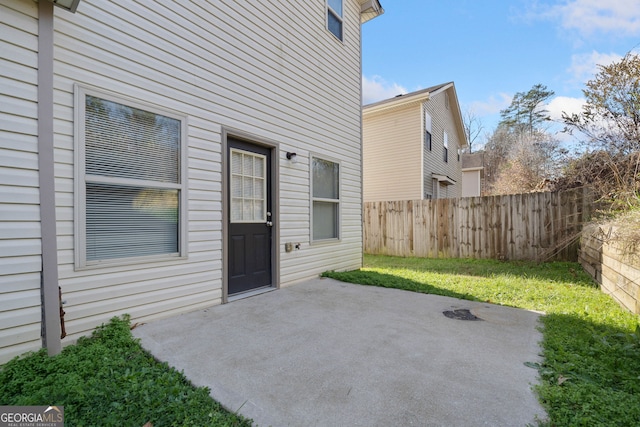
(269, 224)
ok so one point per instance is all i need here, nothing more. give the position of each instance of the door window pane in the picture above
(248, 187)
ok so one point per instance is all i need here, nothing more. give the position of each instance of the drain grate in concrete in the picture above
(461, 314)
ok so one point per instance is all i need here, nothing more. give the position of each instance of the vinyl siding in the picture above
(442, 120)
(274, 72)
(392, 144)
(20, 246)
(471, 183)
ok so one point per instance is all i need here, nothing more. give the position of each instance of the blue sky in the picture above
(492, 49)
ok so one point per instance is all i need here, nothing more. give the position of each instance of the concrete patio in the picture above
(327, 353)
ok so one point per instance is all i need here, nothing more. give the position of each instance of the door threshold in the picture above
(251, 293)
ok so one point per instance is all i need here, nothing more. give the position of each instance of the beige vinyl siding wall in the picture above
(20, 245)
(392, 144)
(471, 183)
(442, 120)
(273, 71)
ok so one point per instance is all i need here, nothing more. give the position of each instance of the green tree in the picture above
(610, 117)
(526, 113)
(521, 155)
(610, 120)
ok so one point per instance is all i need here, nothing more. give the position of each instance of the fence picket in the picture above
(523, 226)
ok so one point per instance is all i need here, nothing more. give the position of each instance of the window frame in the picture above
(82, 179)
(337, 202)
(339, 17)
(445, 144)
(428, 136)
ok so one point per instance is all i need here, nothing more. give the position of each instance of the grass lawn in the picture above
(109, 380)
(590, 375)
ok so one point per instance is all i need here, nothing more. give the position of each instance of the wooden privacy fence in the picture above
(533, 226)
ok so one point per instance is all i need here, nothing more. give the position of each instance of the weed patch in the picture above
(108, 379)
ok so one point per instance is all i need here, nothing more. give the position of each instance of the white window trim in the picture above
(312, 199)
(81, 179)
(339, 16)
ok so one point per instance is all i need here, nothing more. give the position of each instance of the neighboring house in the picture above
(411, 146)
(158, 157)
(472, 174)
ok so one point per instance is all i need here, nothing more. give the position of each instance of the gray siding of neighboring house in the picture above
(20, 245)
(433, 161)
(272, 71)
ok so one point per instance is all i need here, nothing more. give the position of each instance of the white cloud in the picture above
(565, 104)
(619, 17)
(376, 89)
(584, 66)
(493, 105)
(568, 105)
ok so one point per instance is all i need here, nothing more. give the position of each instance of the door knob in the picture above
(269, 224)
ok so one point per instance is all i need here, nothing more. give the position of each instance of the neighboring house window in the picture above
(131, 181)
(325, 184)
(427, 130)
(334, 17)
(446, 147)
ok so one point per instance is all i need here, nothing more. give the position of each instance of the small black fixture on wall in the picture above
(291, 156)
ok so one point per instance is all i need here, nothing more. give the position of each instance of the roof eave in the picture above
(458, 114)
(443, 179)
(370, 9)
(397, 102)
(402, 100)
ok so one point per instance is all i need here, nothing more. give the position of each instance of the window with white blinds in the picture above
(133, 187)
(325, 199)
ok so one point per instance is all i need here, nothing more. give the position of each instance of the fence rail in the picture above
(535, 226)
